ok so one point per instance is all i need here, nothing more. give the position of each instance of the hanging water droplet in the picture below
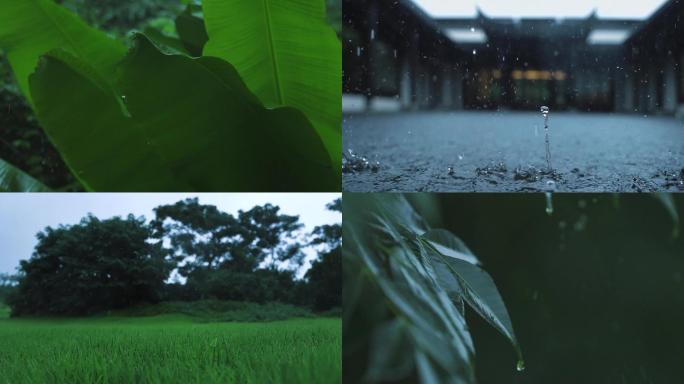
(124, 99)
(474, 52)
(549, 203)
(520, 366)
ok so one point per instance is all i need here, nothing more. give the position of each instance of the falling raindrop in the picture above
(474, 52)
(460, 157)
(549, 203)
(372, 35)
(472, 29)
(124, 99)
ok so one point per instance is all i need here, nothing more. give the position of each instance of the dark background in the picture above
(595, 291)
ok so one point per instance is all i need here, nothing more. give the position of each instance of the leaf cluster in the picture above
(245, 97)
(406, 288)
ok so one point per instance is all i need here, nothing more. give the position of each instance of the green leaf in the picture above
(150, 134)
(191, 30)
(14, 180)
(462, 278)
(29, 28)
(287, 55)
(449, 245)
(166, 43)
(92, 129)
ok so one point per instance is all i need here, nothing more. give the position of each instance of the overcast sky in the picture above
(628, 9)
(22, 215)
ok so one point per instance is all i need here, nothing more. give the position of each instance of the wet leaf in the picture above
(388, 243)
(477, 288)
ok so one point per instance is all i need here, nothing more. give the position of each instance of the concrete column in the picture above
(628, 92)
(669, 87)
(458, 89)
(422, 86)
(652, 90)
(619, 90)
(447, 100)
(406, 83)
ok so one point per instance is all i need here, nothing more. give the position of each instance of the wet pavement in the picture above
(505, 152)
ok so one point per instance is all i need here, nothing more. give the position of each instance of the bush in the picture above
(216, 310)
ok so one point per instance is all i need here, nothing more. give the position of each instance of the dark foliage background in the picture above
(595, 291)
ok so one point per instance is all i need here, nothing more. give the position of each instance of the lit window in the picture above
(607, 36)
(471, 36)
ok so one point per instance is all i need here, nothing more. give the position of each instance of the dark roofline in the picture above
(659, 18)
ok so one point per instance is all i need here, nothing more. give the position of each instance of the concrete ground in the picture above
(480, 152)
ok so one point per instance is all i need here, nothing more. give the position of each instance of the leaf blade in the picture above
(287, 55)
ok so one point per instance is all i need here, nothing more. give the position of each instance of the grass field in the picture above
(169, 349)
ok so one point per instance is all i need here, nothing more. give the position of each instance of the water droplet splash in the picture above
(351, 163)
(545, 112)
(520, 366)
(549, 203)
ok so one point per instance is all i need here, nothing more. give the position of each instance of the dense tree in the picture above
(203, 237)
(329, 235)
(325, 276)
(325, 280)
(249, 257)
(92, 266)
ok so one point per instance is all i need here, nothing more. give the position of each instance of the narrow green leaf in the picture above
(449, 245)
(14, 180)
(479, 291)
(287, 55)
(166, 43)
(29, 28)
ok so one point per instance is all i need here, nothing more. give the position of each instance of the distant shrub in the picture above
(217, 310)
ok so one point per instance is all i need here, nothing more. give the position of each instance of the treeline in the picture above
(188, 252)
